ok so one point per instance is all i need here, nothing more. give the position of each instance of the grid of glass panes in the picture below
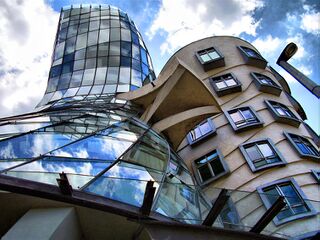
(225, 81)
(282, 110)
(209, 166)
(98, 50)
(261, 154)
(294, 202)
(265, 80)
(304, 145)
(243, 116)
(208, 55)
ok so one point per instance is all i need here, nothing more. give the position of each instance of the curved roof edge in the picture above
(222, 36)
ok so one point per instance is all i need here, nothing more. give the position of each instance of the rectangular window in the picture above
(210, 58)
(210, 167)
(282, 113)
(266, 84)
(316, 175)
(296, 205)
(252, 57)
(244, 117)
(201, 131)
(303, 146)
(225, 84)
(261, 154)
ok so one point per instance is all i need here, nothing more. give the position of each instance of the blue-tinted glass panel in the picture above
(32, 145)
(125, 183)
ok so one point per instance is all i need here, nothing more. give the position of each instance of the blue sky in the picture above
(27, 31)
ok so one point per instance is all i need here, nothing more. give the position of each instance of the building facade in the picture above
(111, 150)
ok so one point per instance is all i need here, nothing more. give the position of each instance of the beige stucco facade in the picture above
(178, 121)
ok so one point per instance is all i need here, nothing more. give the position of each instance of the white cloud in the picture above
(298, 40)
(305, 70)
(311, 23)
(184, 21)
(268, 46)
(26, 40)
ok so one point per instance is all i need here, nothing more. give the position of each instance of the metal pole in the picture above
(286, 54)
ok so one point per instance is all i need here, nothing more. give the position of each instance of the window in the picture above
(282, 113)
(304, 146)
(225, 84)
(210, 58)
(296, 205)
(252, 58)
(201, 131)
(210, 167)
(261, 154)
(316, 175)
(266, 84)
(243, 118)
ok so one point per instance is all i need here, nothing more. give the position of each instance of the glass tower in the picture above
(98, 50)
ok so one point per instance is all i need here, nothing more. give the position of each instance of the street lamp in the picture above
(282, 61)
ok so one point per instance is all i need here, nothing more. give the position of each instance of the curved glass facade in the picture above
(104, 150)
(98, 50)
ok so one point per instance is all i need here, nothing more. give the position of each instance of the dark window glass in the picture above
(68, 58)
(70, 45)
(83, 28)
(294, 202)
(210, 167)
(92, 52)
(103, 49)
(102, 62)
(144, 56)
(204, 129)
(78, 65)
(114, 61)
(251, 53)
(114, 48)
(55, 71)
(72, 31)
(67, 67)
(91, 63)
(76, 79)
(135, 38)
(304, 145)
(225, 81)
(243, 117)
(261, 154)
(64, 81)
(126, 49)
(125, 62)
(80, 54)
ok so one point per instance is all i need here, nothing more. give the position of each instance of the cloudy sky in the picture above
(27, 31)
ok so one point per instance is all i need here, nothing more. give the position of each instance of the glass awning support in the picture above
(217, 207)
(269, 215)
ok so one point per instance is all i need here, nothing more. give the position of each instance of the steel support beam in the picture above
(269, 215)
(148, 198)
(217, 207)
